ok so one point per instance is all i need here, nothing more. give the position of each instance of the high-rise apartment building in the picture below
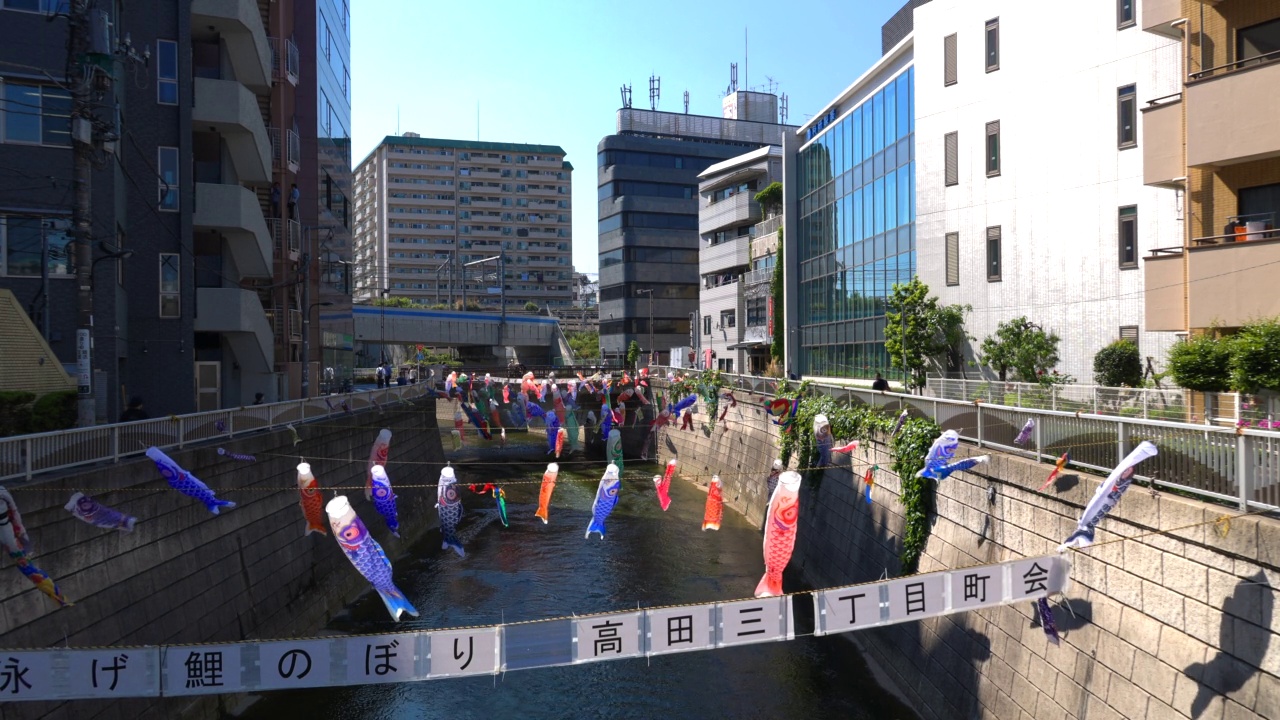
(1026, 211)
(648, 215)
(436, 220)
(1211, 135)
(734, 298)
(849, 184)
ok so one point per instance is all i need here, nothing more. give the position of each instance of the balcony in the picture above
(286, 237)
(287, 143)
(1158, 17)
(1163, 161)
(235, 212)
(1231, 115)
(758, 277)
(238, 24)
(731, 254)
(736, 210)
(228, 108)
(238, 315)
(284, 60)
(1230, 284)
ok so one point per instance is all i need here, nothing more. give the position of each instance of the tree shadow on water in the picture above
(1242, 653)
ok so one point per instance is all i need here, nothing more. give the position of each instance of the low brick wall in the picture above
(187, 576)
(1181, 624)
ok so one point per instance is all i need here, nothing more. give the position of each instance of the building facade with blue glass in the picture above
(849, 180)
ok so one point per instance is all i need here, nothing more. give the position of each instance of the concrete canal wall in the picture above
(1175, 610)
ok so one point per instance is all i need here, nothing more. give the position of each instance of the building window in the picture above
(167, 163)
(706, 325)
(22, 240)
(993, 148)
(993, 254)
(951, 147)
(170, 286)
(325, 38)
(1127, 122)
(1257, 40)
(953, 259)
(166, 72)
(1128, 234)
(993, 45)
(1124, 14)
(728, 319)
(949, 60)
(1130, 333)
(35, 114)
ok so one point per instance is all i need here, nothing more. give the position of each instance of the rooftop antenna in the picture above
(733, 79)
(655, 91)
(626, 96)
(686, 102)
(771, 85)
(477, 120)
(746, 60)
(782, 110)
(397, 119)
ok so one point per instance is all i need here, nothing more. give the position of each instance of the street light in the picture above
(650, 293)
(306, 347)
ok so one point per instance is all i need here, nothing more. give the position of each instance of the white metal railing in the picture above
(295, 324)
(756, 277)
(1174, 404)
(1240, 466)
(285, 62)
(286, 235)
(25, 456)
(294, 147)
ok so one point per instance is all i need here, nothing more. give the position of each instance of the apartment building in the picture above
(1211, 137)
(649, 238)
(433, 217)
(733, 299)
(1030, 197)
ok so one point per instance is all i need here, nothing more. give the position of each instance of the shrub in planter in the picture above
(1118, 364)
(1255, 357)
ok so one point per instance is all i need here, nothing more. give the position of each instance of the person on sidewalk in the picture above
(880, 384)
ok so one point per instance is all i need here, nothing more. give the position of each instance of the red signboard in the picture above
(769, 312)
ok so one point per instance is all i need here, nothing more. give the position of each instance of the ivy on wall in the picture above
(865, 424)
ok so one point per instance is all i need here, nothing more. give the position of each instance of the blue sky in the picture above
(548, 71)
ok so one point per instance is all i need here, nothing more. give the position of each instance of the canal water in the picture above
(532, 571)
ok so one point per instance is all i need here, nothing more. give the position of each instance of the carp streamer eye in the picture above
(789, 514)
(351, 532)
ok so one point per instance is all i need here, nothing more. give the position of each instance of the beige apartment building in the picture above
(1217, 143)
(437, 220)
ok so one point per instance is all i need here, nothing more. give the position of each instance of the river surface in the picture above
(532, 571)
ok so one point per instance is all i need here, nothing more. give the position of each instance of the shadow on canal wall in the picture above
(186, 576)
(1179, 624)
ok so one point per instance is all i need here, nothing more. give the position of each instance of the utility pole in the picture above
(649, 292)
(82, 209)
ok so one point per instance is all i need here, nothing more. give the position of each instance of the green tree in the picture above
(1201, 363)
(1255, 357)
(633, 353)
(1118, 365)
(929, 330)
(770, 198)
(778, 350)
(1021, 346)
(394, 301)
(585, 345)
(531, 306)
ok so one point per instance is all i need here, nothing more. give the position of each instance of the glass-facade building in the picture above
(855, 228)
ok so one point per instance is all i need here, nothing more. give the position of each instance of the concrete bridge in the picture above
(532, 336)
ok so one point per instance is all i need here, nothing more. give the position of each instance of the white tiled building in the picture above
(1029, 191)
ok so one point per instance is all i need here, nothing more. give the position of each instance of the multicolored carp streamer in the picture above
(500, 498)
(544, 494)
(945, 471)
(613, 448)
(449, 504)
(940, 453)
(186, 483)
(1025, 434)
(1107, 497)
(86, 508)
(868, 480)
(366, 555)
(311, 501)
(714, 511)
(1062, 462)
(902, 418)
(822, 439)
(1046, 620)
(571, 430)
(377, 456)
(847, 448)
(780, 533)
(384, 500)
(783, 412)
(40, 579)
(606, 499)
(237, 456)
(663, 484)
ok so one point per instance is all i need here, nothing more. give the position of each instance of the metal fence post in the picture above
(115, 444)
(1244, 468)
(1146, 395)
(1239, 409)
(1053, 397)
(1039, 440)
(1122, 440)
(181, 432)
(979, 406)
(1095, 399)
(1019, 394)
(26, 452)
